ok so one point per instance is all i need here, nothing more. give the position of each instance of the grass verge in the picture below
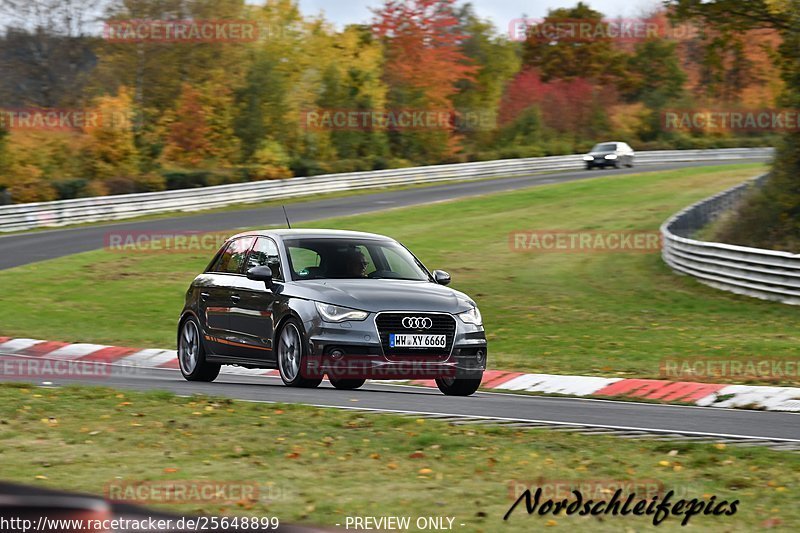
(320, 466)
(614, 314)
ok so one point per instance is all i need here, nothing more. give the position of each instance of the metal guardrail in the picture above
(105, 208)
(764, 274)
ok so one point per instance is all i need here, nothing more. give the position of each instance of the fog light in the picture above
(481, 355)
(337, 354)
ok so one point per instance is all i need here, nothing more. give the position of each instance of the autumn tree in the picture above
(567, 55)
(112, 159)
(655, 73)
(274, 85)
(497, 61)
(352, 80)
(424, 65)
(156, 69)
(188, 141)
(771, 217)
(571, 108)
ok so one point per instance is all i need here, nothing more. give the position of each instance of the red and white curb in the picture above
(686, 392)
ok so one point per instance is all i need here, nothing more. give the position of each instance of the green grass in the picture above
(320, 466)
(597, 313)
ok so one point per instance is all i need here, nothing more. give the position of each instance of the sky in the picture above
(501, 12)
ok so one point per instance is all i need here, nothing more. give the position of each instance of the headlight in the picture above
(473, 316)
(588, 158)
(334, 313)
(611, 156)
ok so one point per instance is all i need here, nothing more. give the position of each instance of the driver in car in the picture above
(356, 264)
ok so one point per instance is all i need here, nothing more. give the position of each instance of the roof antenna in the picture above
(287, 217)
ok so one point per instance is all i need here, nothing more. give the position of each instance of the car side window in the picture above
(265, 253)
(305, 262)
(230, 261)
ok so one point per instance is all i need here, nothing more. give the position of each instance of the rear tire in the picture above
(458, 386)
(347, 384)
(293, 356)
(192, 354)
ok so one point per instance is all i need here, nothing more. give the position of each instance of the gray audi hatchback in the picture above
(349, 305)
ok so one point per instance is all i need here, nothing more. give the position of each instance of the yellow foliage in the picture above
(26, 185)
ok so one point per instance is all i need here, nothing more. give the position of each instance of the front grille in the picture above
(388, 323)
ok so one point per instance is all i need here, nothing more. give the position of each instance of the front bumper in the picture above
(353, 350)
(602, 162)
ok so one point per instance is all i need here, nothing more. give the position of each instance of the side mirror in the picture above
(441, 277)
(261, 273)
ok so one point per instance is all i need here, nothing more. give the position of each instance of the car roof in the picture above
(312, 233)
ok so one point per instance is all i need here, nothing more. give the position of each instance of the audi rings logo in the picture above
(417, 322)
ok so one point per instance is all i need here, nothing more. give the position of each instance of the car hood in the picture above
(376, 295)
(600, 154)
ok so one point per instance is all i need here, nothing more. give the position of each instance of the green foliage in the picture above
(567, 58)
(655, 74)
(770, 217)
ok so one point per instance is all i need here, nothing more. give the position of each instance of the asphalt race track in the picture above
(623, 418)
(722, 424)
(24, 248)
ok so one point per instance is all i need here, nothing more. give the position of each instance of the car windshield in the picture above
(605, 147)
(352, 258)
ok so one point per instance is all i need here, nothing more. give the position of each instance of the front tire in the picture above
(458, 386)
(347, 384)
(192, 354)
(293, 356)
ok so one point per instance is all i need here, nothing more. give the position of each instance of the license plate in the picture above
(397, 340)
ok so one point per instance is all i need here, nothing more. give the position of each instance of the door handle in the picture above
(235, 298)
(205, 296)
